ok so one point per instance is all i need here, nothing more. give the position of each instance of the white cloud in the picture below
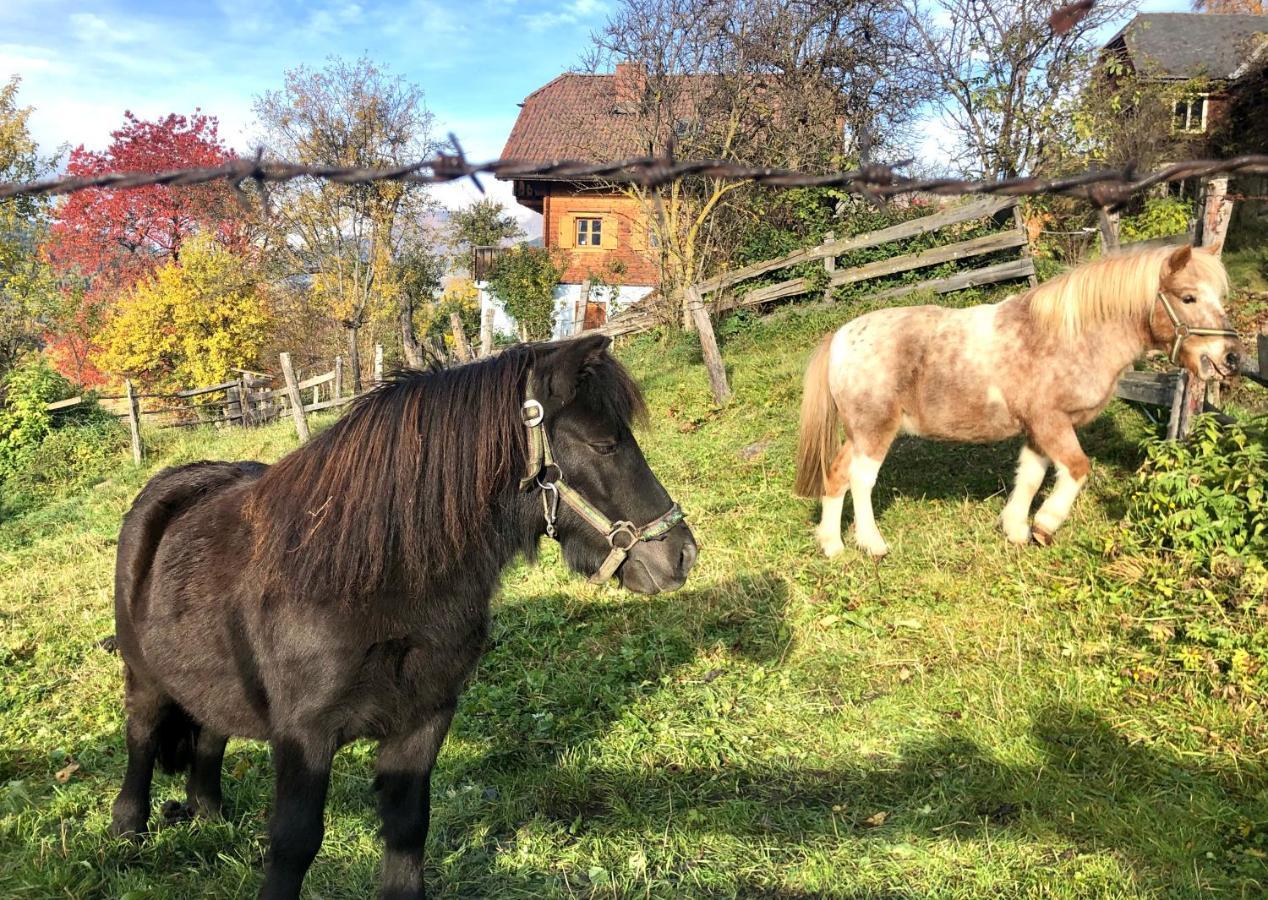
(571, 13)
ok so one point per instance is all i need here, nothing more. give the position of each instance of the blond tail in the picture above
(820, 426)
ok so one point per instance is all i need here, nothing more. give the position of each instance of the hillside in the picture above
(962, 720)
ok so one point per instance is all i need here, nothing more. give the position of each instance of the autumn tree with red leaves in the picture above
(103, 242)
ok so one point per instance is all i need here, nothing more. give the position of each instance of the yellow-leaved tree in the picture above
(190, 323)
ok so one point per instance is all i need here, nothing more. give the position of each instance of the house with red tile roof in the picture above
(602, 232)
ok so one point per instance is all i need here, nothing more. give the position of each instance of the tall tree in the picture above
(483, 223)
(104, 241)
(345, 238)
(1004, 71)
(417, 274)
(189, 322)
(760, 82)
(27, 293)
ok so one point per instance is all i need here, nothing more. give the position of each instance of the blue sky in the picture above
(84, 63)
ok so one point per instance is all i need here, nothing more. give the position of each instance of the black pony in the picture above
(344, 592)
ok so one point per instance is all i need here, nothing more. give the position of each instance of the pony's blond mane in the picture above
(1119, 286)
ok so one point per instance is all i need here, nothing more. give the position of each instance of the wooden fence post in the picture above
(460, 345)
(829, 265)
(1108, 223)
(486, 332)
(1215, 210)
(708, 346)
(233, 408)
(244, 393)
(338, 377)
(134, 421)
(378, 363)
(297, 401)
(1020, 222)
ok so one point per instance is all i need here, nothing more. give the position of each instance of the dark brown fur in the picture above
(344, 592)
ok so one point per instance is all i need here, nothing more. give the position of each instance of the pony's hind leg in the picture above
(865, 463)
(202, 788)
(146, 708)
(1032, 466)
(828, 532)
(1062, 444)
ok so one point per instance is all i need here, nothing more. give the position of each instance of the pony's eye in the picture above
(604, 448)
(1189, 298)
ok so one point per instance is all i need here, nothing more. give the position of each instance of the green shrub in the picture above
(1162, 217)
(1205, 497)
(524, 280)
(43, 453)
(1189, 570)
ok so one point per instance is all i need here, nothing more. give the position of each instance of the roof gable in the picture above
(1190, 45)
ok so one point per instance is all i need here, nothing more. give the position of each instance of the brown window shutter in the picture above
(567, 231)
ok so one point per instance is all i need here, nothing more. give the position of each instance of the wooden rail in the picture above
(640, 317)
(248, 400)
(1183, 395)
(978, 209)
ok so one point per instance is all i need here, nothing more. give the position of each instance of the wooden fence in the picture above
(248, 400)
(716, 294)
(1184, 396)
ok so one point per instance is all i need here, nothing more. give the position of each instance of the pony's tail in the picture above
(177, 737)
(820, 434)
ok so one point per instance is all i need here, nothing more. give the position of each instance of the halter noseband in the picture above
(621, 536)
(1184, 330)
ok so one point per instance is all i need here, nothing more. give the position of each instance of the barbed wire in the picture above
(1106, 188)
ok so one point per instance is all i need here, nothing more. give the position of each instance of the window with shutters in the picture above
(589, 232)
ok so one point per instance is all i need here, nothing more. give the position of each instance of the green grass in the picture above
(954, 722)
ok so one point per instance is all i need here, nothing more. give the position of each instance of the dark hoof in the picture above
(127, 831)
(175, 812)
(109, 644)
(1042, 538)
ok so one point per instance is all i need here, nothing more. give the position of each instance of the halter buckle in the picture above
(626, 528)
(533, 413)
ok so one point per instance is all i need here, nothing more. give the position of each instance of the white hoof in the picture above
(1017, 532)
(830, 544)
(874, 546)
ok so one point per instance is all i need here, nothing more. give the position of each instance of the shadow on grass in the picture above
(563, 672)
(941, 470)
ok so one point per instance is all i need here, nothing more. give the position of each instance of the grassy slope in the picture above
(950, 723)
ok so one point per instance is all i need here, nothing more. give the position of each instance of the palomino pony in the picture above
(1041, 363)
(344, 592)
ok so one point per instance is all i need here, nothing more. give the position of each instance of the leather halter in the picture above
(1184, 330)
(621, 536)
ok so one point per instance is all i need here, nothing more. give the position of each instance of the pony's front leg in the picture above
(302, 767)
(1015, 519)
(828, 534)
(1062, 445)
(403, 783)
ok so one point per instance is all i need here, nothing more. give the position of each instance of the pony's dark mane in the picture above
(402, 486)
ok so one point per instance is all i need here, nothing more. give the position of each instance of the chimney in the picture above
(630, 85)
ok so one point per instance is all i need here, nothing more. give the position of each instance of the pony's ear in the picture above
(561, 366)
(1180, 258)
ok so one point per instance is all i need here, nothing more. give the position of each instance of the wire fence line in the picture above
(1104, 188)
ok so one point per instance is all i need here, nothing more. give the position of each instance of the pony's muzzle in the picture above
(661, 565)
